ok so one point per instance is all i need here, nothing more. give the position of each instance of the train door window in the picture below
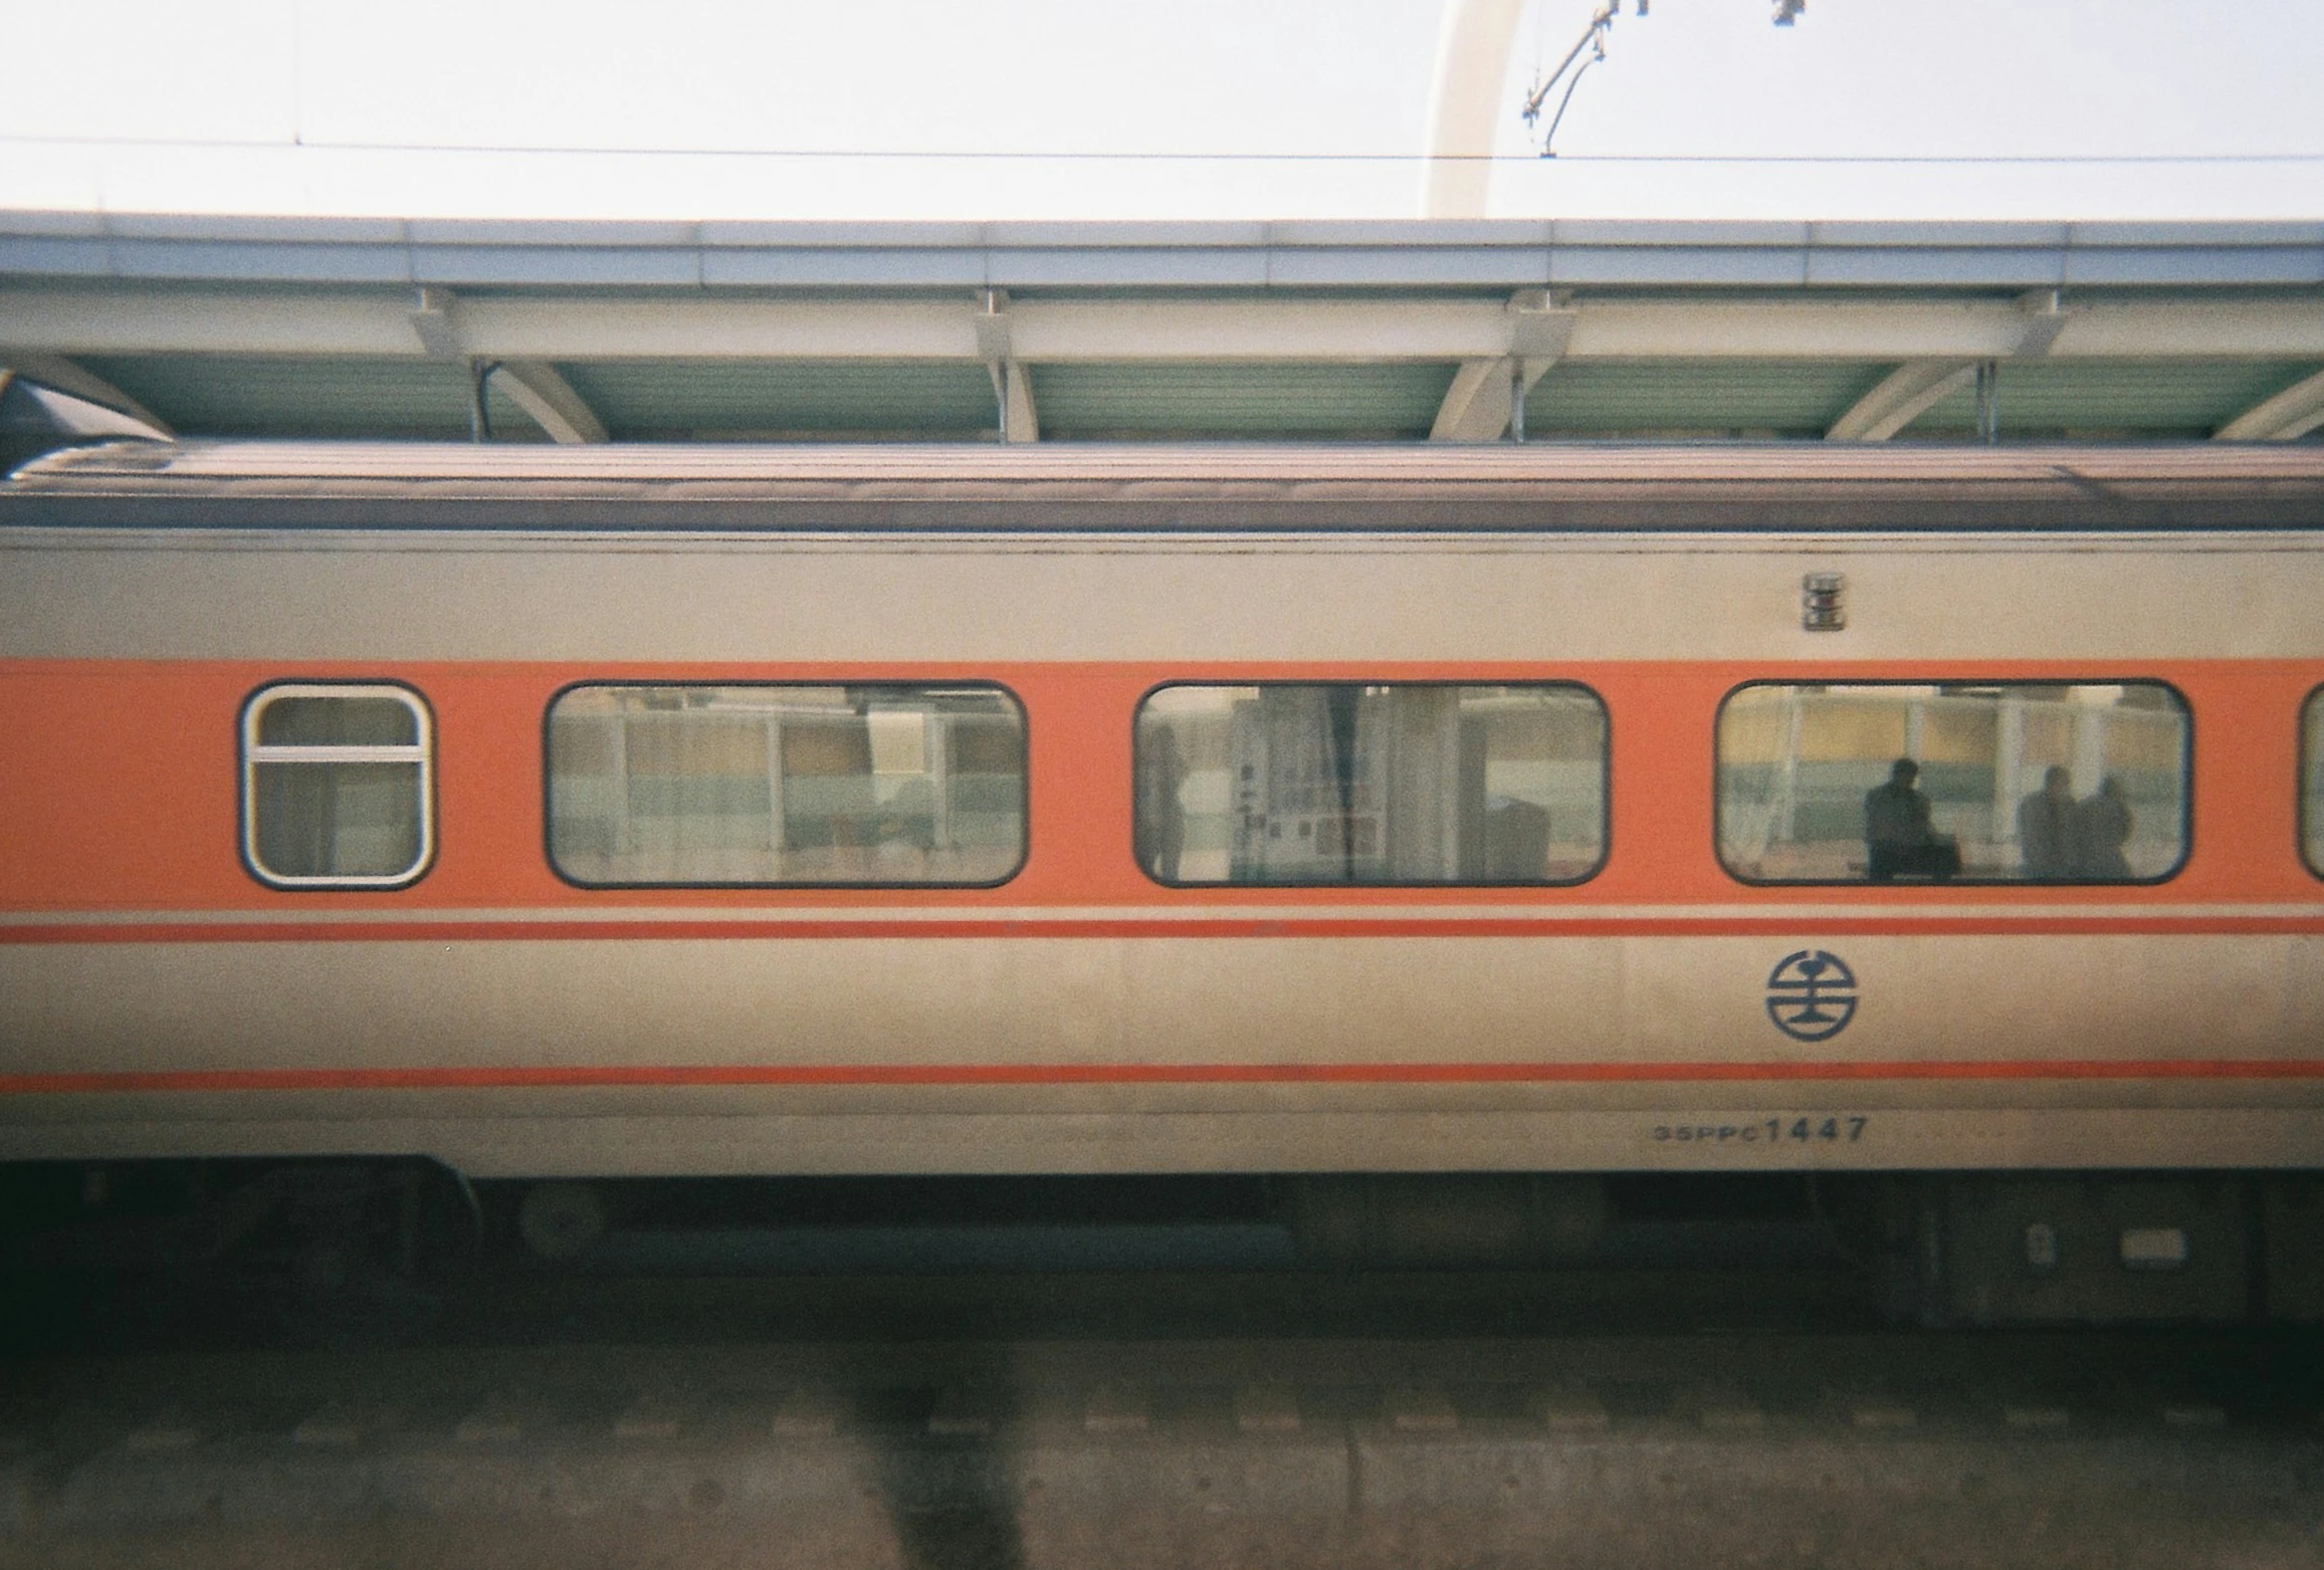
(752, 785)
(336, 786)
(2312, 780)
(1415, 783)
(1968, 781)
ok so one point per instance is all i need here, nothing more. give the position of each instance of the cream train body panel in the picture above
(203, 594)
(1452, 1014)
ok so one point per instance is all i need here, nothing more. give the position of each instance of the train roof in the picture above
(1786, 486)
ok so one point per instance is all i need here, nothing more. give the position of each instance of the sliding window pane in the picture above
(1995, 782)
(874, 786)
(1362, 785)
(325, 822)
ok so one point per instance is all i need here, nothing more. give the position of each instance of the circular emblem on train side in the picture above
(1811, 995)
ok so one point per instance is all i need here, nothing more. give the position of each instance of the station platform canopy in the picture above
(1371, 331)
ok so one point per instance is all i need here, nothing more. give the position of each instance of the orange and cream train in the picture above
(561, 812)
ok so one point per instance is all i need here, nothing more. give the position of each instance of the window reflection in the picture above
(1346, 784)
(787, 784)
(1989, 782)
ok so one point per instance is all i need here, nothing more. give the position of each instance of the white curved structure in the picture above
(1465, 103)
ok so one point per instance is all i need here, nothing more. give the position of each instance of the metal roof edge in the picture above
(1325, 254)
(1607, 459)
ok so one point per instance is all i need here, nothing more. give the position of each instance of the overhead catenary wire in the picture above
(1173, 155)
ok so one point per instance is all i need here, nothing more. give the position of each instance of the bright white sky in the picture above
(502, 107)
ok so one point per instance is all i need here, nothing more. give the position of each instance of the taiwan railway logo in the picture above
(1811, 996)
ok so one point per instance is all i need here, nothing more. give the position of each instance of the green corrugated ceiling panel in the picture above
(1696, 397)
(661, 400)
(2115, 398)
(1231, 400)
(282, 396)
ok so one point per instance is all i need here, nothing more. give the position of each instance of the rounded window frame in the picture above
(250, 752)
(548, 787)
(1605, 795)
(1922, 885)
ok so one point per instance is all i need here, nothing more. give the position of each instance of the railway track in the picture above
(1860, 1449)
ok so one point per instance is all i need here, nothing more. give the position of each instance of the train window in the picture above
(1975, 782)
(2312, 780)
(1419, 783)
(764, 785)
(336, 791)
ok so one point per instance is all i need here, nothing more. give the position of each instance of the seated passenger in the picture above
(2046, 826)
(1517, 840)
(1898, 835)
(2102, 825)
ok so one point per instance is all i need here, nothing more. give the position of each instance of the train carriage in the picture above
(559, 813)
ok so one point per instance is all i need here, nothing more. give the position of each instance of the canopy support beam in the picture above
(1486, 395)
(536, 387)
(77, 380)
(2288, 416)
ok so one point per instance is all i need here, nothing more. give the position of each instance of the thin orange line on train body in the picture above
(651, 1076)
(1776, 923)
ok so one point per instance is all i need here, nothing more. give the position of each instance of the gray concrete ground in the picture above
(2114, 1449)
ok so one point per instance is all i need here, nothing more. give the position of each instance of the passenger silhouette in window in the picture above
(2046, 826)
(1898, 835)
(2102, 825)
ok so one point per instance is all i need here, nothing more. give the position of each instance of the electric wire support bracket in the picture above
(1593, 39)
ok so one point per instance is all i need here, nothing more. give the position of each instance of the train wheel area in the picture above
(400, 1252)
